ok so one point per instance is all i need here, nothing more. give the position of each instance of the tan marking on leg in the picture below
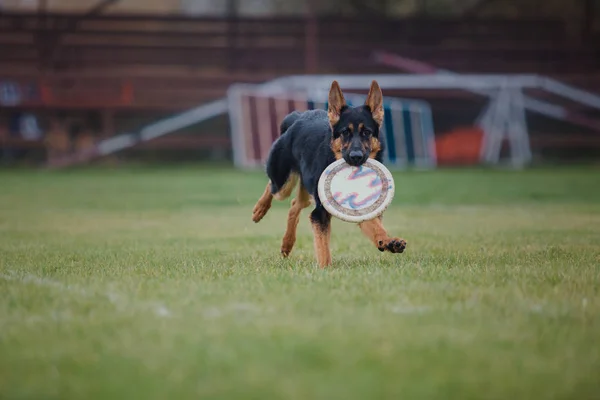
(287, 188)
(301, 201)
(374, 230)
(263, 204)
(322, 237)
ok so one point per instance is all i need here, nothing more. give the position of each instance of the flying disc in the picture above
(356, 194)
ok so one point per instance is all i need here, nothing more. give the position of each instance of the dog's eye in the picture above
(366, 132)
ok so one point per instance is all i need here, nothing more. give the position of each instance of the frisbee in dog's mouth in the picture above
(356, 194)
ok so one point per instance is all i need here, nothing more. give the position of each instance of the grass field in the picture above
(155, 284)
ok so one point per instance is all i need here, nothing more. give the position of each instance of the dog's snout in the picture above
(356, 156)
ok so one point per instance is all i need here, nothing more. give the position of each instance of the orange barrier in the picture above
(460, 146)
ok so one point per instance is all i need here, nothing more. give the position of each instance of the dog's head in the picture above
(355, 129)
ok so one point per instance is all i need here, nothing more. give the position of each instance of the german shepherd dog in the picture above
(308, 143)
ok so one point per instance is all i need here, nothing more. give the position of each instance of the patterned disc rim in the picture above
(356, 215)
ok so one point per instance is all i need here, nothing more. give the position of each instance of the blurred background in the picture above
(129, 81)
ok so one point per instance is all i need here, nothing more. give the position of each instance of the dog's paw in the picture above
(260, 210)
(287, 244)
(393, 245)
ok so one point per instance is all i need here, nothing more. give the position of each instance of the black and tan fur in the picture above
(309, 142)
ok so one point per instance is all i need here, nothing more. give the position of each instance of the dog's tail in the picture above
(288, 121)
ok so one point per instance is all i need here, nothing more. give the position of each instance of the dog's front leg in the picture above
(321, 225)
(375, 231)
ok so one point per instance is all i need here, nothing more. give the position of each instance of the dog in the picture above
(309, 141)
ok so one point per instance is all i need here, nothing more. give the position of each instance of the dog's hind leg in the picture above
(263, 204)
(286, 189)
(282, 180)
(299, 203)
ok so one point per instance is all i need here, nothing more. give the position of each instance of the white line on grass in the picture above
(122, 303)
(410, 309)
(119, 301)
(52, 316)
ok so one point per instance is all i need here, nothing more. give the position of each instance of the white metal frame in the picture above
(503, 117)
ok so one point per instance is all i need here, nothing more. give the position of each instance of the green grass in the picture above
(155, 284)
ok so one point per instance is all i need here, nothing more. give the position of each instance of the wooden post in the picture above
(587, 22)
(311, 58)
(232, 34)
(42, 6)
(108, 123)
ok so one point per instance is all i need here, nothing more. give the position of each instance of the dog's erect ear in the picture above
(375, 102)
(336, 103)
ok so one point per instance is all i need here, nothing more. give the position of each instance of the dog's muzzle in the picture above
(356, 158)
